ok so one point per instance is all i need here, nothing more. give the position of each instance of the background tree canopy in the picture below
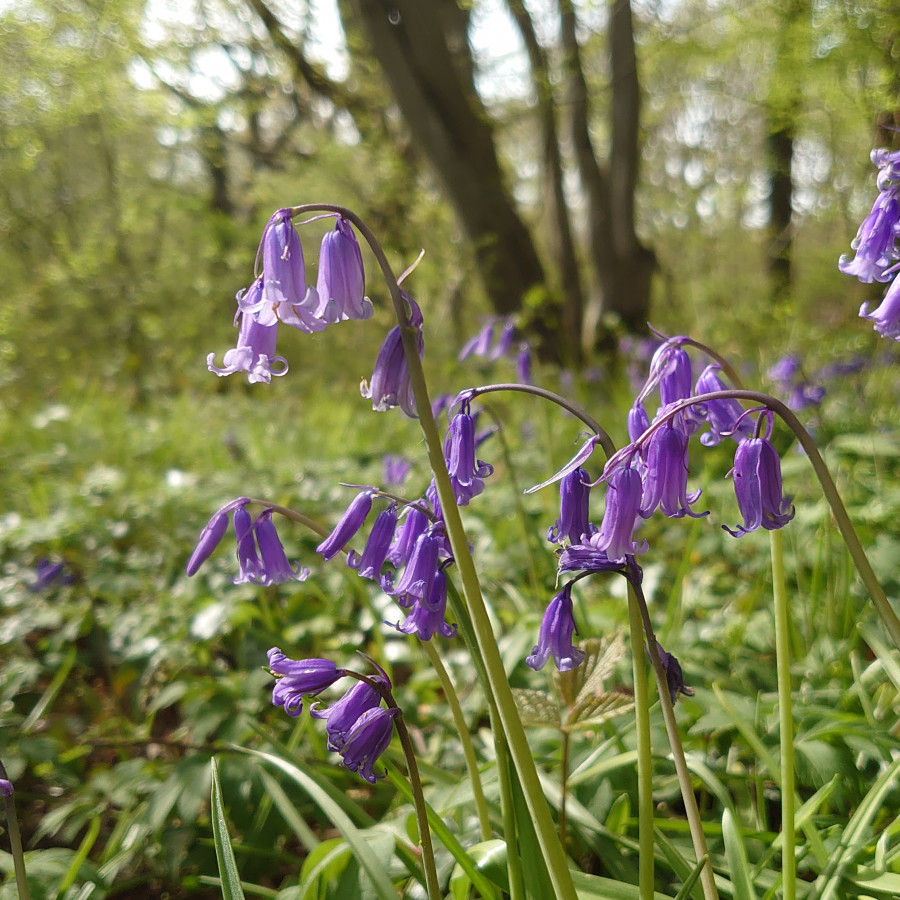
(583, 166)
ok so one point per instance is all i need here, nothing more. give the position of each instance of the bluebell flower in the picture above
(396, 469)
(724, 417)
(390, 385)
(467, 473)
(285, 296)
(758, 487)
(480, 344)
(369, 737)
(49, 575)
(6, 788)
(624, 493)
(875, 242)
(250, 566)
(210, 538)
(417, 578)
(676, 378)
(573, 524)
(587, 558)
(887, 316)
(555, 637)
(353, 519)
(343, 714)
(297, 678)
(523, 363)
(665, 484)
(428, 615)
(638, 421)
(254, 353)
(341, 284)
(376, 550)
(406, 536)
(275, 567)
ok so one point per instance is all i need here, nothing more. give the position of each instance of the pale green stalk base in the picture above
(15, 846)
(644, 749)
(786, 718)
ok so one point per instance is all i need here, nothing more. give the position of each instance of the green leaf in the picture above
(228, 872)
(537, 708)
(368, 859)
(738, 866)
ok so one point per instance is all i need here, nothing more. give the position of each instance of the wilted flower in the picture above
(555, 637)
(255, 350)
(298, 678)
(390, 385)
(341, 284)
(352, 520)
(757, 486)
(368, 738)
(674, 675)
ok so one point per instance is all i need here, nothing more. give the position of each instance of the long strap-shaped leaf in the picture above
(367, 858)
(228, 871)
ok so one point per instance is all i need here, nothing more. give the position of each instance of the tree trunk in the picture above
(424, 54)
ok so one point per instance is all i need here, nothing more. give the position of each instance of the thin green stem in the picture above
(786, 718)
(508, 807)
(465, 737)
(15, 842)
(563, 784)
(415, 782)
(644, 750)
(508, 715)
(692, 813)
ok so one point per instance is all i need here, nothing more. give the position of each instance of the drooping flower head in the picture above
(255, 350)
(757, 484)
(665, 481)
(674, 675)
(573, 524)
(343, 714)
(276, 568)
(467, 473)
(555, 637)
(624, 492)
(390, 385)
(260, 553)
(298, 678)
(366, 740)
(341, 284)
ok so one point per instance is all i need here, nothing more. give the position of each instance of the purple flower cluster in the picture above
(357, 726)
(877, 254)
(279, 294)
(260, 554)
(491, 346)
(650, 474)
